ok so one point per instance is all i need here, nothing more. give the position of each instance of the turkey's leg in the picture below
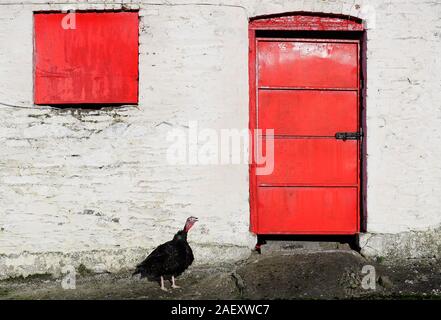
(174, 286)
(162, 284)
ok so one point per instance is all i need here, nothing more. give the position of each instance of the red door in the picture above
(307, 90)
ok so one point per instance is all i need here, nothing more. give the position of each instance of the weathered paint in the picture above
(307, 210)
(307, 64)
(306, 112)
(54, 165)
(91, 60)
(315, 185)
(306, 21)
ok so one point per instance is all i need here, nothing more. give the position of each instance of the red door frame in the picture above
(348, 28)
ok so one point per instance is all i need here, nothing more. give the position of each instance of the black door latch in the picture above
(348, 136)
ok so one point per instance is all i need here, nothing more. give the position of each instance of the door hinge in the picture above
(348, 136)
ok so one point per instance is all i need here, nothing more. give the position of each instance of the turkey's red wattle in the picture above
(188, 226)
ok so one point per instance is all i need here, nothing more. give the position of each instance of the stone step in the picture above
(272, 246)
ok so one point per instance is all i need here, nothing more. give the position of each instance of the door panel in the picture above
(308, 113)
(313, 162)
(307, 91)
(307, 210)
(307, 64)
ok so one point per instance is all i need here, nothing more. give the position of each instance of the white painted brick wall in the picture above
(194, 66)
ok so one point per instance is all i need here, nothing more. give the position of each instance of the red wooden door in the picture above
(307, 91)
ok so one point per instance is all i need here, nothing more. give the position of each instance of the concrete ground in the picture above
(280, 272)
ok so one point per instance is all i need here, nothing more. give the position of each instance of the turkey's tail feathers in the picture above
(144, 271)
(138, 270)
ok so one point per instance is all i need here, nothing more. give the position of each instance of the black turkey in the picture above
(170, 259)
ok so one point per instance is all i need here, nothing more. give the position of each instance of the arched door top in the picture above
(307, 21)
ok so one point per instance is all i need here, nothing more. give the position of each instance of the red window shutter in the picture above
(95, 63)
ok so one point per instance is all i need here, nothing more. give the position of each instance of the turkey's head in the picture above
(189, 223)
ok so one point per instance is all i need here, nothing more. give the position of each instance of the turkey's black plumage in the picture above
(169, 259)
